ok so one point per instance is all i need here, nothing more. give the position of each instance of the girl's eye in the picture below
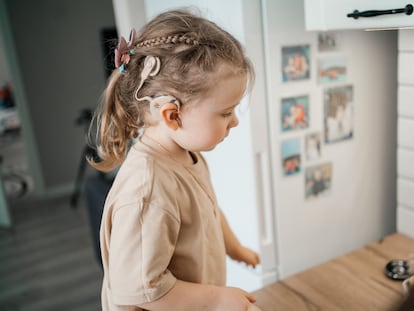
(227, 114)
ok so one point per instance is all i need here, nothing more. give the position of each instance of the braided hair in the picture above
(190, 49)
(176, 39)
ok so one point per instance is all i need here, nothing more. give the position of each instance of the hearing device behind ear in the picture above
(157, 102)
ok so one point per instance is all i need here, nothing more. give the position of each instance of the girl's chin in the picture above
(212, 147)
(209, 148)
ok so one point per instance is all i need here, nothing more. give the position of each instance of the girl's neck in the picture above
(167, 147)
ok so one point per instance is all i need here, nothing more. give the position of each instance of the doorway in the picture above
(57, 67)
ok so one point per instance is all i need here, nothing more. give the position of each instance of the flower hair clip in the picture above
(124, 51)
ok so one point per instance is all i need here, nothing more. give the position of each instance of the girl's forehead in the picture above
(227, 91)
(227, 84)
(225, 70)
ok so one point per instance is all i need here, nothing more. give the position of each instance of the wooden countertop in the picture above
(352, 282)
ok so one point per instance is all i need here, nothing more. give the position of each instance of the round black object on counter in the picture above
(397, 269)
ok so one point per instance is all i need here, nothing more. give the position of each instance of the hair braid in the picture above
(175, 39)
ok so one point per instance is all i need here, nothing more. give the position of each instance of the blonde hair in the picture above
(190, 49)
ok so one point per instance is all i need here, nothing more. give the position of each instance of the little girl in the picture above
(163, 237)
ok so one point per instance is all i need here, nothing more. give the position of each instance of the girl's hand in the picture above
(233, 247)
(246, 255)
(235, 299)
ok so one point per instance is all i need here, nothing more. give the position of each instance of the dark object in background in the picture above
(6, 96)
(83, 120)
(109, 40)
(96, 188)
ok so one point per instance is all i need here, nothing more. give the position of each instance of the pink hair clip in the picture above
(124, 51)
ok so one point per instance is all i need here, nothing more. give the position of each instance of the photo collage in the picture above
(337, 97)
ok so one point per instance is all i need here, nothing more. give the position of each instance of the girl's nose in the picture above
(234, 121)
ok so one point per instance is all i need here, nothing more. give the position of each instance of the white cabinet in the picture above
(324, 15)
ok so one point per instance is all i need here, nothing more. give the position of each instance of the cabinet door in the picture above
(324, 15)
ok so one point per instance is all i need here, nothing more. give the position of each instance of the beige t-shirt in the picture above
(160, 223)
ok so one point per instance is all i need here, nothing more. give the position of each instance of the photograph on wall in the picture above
(295, 113)
(291, 156)
(313, 145)
(295, 63)
(331, 70)
(328, 41)
(338, 113)
(318, 180)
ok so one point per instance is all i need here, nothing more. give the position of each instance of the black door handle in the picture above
(408, 10)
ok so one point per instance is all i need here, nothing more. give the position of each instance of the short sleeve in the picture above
(142, 244)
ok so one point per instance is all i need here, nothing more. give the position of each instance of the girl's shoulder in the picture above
(143, 180)
(140, 172)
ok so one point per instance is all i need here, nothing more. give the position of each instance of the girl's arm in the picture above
(234, 249)
(186, 296)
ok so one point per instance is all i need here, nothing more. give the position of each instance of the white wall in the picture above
(405, 150)
(129, 14)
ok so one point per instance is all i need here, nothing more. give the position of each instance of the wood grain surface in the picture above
(352, 282)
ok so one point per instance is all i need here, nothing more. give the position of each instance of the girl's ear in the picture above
(169, 113)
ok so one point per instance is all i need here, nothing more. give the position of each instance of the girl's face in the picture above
(208, 121)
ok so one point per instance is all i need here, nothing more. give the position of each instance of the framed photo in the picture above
(338, 114)
(318, 180)
(295, 113)
(328, 41)
(331, 70)
(313, 145)
(295, 63)
(291, 156)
